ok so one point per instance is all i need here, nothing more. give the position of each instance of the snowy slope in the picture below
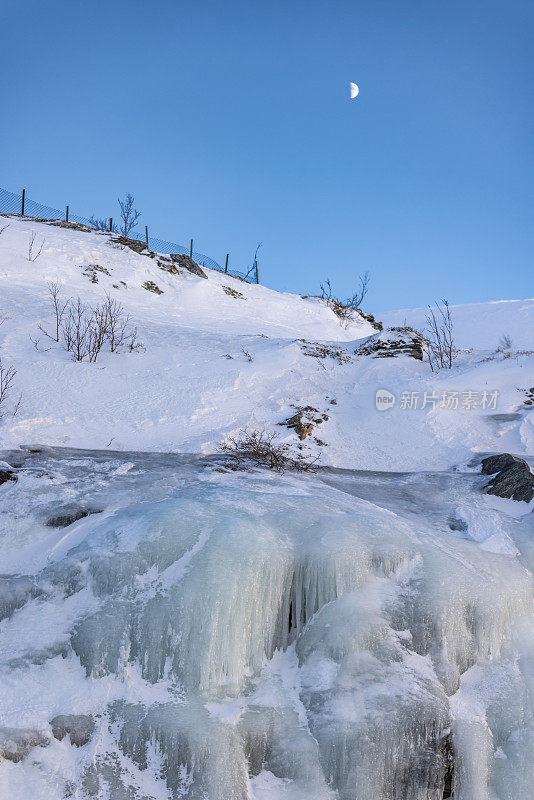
(193, 384)
(246, 635)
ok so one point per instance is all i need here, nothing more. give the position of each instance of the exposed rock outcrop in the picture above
(7, 473)
(186, 262)
(15, 743)
(69, 515)
(394, 342)
(79, 727)
(133, 244)
(305, 421)
(512, 477)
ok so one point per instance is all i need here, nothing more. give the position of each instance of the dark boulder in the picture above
(512, 477)
(7, 474)
(79, 727)
(186, 262)
(69, 515)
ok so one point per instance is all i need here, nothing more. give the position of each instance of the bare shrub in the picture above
(346, 310)
(440, 337)
(246, 354)
(129, 214)
(103, 225)
(265, 450)
(76, 329)
(59, 306)
(33, 253)
(7, 376)
(84, 330)
(119, 330)
(505, 344)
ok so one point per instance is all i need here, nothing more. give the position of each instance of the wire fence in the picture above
(24, 206)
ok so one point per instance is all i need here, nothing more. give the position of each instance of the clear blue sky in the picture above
(231, 123)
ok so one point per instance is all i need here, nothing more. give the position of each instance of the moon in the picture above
(354, 90)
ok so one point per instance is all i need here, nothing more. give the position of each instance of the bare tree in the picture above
(33, 254)
(129, 214)
(440, 337)
(59, 306)
(264, 449)
(7, 376)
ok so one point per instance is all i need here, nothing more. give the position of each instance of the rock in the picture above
(512, 477)
(70, 515)
(447, 754)
(304, 421)
(75, 226)
(134, 244)
(322, 350)
(150, 286)
(15, 743)
(370, 318)
(7, 473)
(394, 342)
(79, 727)
(186, 262)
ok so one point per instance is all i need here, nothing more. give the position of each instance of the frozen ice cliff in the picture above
(230, 635)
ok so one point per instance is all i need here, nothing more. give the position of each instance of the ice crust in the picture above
(250, 636)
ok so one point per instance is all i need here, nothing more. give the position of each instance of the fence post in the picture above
(226, 265)
(67, 214)
(146, 237)
(23, 199)
(191, 253)
(110, 224)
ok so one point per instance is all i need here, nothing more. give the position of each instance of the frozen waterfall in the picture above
(251, 637)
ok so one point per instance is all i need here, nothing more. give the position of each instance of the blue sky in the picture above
(231, 123)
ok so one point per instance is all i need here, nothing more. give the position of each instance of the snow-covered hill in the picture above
(175, 629)
(220, 354)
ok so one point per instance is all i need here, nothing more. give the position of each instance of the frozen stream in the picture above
(235, 636)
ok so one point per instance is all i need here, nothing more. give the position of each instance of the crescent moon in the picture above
(354, 90)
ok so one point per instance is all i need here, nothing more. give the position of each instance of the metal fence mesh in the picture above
(12, 203)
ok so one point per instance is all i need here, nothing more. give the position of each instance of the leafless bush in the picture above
(33, 253)
(59, 306)
(7, 376)
(103, 225)
(264, 449)
(76, 329)
(505, 344)
(440, 337)
(129, 214)
(346, 310)
(246, 354)
(85, 329)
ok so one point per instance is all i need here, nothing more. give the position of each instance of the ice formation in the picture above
(250, 636)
